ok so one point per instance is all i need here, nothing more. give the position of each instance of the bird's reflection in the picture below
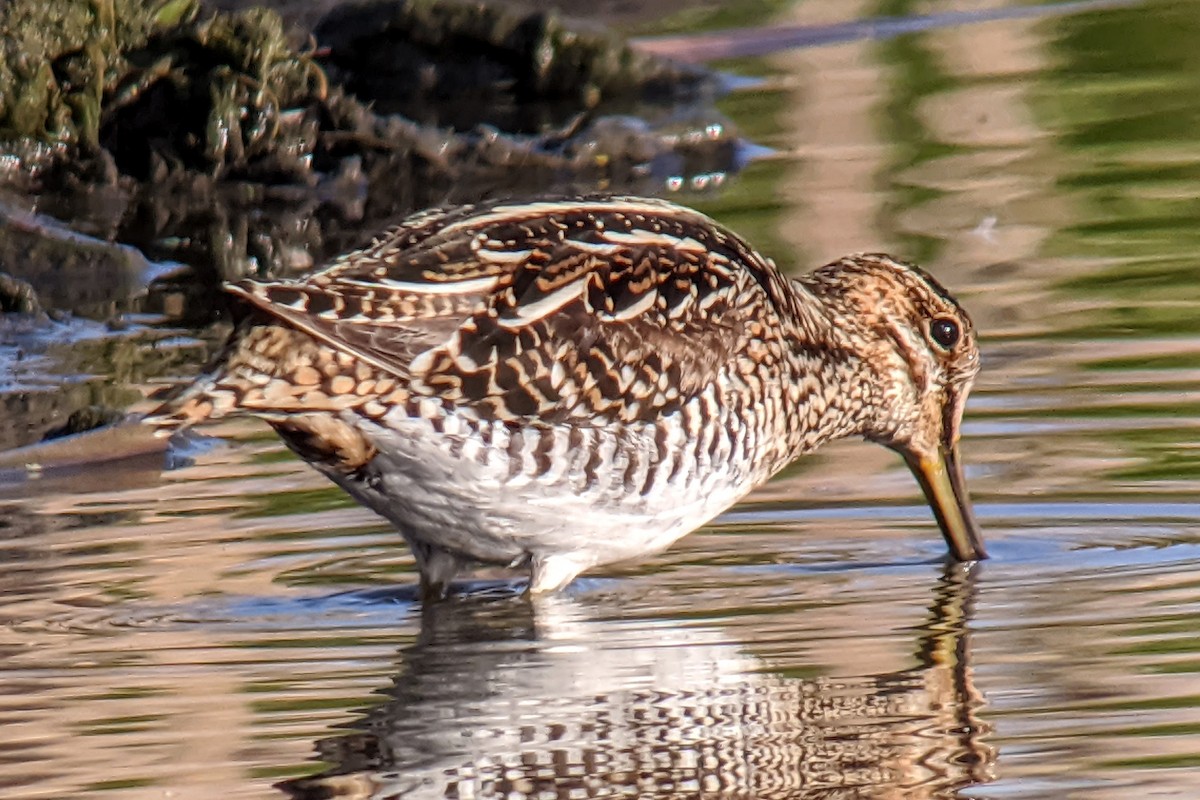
(500, 700)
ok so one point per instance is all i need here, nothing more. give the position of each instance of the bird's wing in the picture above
(610, 308)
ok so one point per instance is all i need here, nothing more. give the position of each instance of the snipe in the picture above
(565, 384)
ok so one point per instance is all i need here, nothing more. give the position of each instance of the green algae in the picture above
(61, 56)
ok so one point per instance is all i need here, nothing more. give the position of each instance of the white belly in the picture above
(602, 496)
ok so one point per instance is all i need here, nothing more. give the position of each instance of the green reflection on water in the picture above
(300, 501)
(915, 75)
(1166, 453)
(1127, 77)
(1151, 704)
(1157, 362)
(131, 723)
(271, 773)
(1122, 102)
(1175, 668)
(1185, 644)
(120, 783)
(295, 704)
(1155, 762)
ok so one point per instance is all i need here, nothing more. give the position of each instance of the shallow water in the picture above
(237, 628)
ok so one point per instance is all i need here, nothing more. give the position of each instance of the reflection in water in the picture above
(495, 700)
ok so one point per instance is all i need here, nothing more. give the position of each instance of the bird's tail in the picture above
(268, 370)
(211, 396)
(184, 405)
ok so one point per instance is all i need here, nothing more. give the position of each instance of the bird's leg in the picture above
(438, 568)
(551, 573)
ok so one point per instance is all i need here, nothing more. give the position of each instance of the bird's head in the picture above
(915, 347)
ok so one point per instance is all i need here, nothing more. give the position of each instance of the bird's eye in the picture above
(945, 332)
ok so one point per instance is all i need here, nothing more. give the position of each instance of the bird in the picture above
(559, 384)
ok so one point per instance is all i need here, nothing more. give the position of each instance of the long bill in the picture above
(941, 477)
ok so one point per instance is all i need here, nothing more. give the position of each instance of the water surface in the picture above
(238, 628)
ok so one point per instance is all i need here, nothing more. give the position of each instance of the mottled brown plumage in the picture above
(569, 383)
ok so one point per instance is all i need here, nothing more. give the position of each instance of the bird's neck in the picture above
(835, 389)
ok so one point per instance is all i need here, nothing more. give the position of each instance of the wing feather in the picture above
(595, 308)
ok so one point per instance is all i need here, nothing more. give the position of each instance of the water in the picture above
(236, 628)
